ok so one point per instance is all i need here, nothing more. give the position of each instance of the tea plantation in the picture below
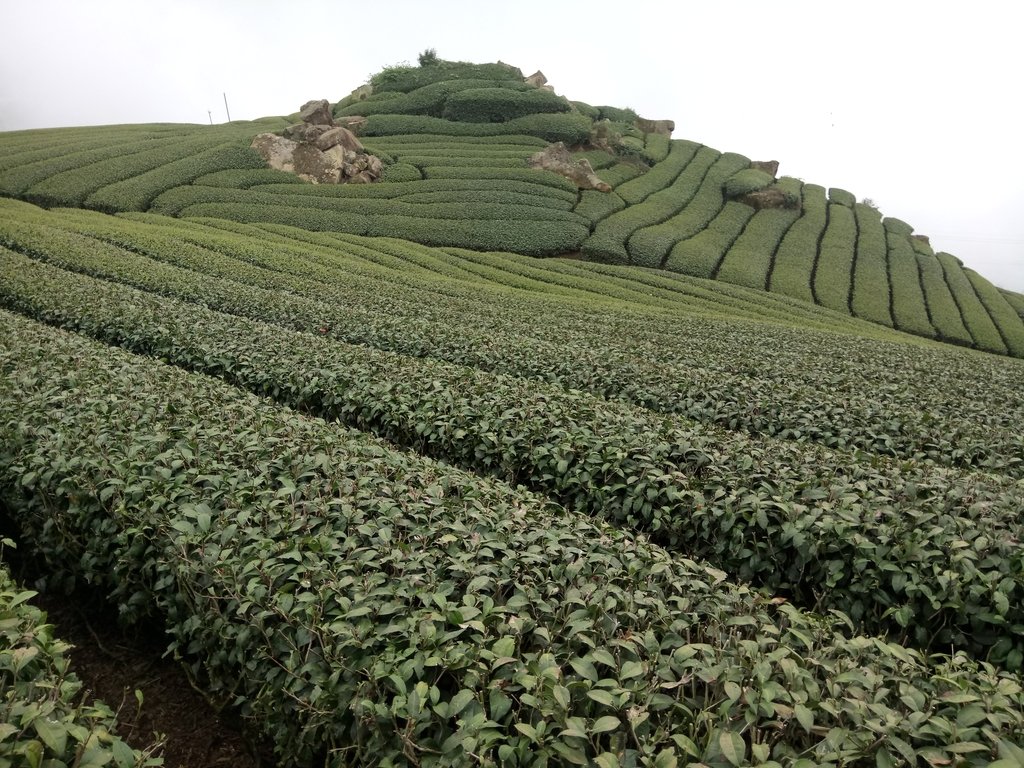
(401, 493)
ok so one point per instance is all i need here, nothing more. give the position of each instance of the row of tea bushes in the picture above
(368, 605)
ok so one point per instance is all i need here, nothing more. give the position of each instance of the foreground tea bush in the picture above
(368, 607)
(830, 531)
(43, 720)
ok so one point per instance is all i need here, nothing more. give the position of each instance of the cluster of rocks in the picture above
(771, 196)
(558, 159)
(320, 149)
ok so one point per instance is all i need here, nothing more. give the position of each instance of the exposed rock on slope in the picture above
(558, 159)
(319, 150)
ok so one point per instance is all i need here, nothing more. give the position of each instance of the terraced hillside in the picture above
(456, 139)
(402, 496)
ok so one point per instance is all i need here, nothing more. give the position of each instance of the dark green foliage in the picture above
(428, 100)
(428, 58)
(586, 109)
(842, 197)
(746, 181)
(657, 147)
(570, 128)
(1011, 328)
(617, 115)
(921, 246)
(620, 173)
(942, 309)
(661, 175)
(908, 308)
(977, 319)
(407, 79)
(536, 177)
(748, 261)
(499, 105)
(794, 260)
(871, 270)
(597, 206)
(43, 719)
(835, 259)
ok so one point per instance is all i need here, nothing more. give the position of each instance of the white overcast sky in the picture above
(915, 105)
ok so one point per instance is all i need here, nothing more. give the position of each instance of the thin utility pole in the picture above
(210, 113)
(226, 107)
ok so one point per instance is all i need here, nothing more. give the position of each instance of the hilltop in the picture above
(481, 463)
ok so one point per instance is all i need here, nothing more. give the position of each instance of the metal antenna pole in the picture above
(210, 113)
(226, 107)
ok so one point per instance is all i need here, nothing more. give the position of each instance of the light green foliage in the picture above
(977, 319)
(617, 114)
(399, 172)
(897, 226)
(663, 190)
(794, 260)
(586, 109)
(745, 181)
(908, 308)
(43, 719)
(597, 206)
(136, 192)
(942, 309)
(702, 254)
(428, 100)
(244, 178)
(749, 260)
(1015, 300)
(834, 267)
(841, 197)
(921, 246)
(1009, 323)
(657, 147)
(871, 270)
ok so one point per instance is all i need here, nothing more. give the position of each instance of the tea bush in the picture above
(834, 270)
(871, 268)
(908, 308)
(798, 251)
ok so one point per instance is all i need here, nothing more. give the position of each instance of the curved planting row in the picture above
(841, 531)
(798, 251)
(871, 268)
(909, 310)
(749, 260)
(651, 359)
(663, 198)
(664, 244)
(1009, 323)
(942, 310)
(370, 606)
(834, 269)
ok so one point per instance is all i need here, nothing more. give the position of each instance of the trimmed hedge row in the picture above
(649, 360)
(657, 147)
(746, 181)
(798, 251)
(908, 308)
(657, 245)
(43, 719)
(71, 188)
(608, 243)
(499, 105)
(515, 199)
(871, 268)
(1015, 300)
(663, 174)
(533, 183)
(429, 141)
(532, 175)
(597, 206)
(579, 450)
(568, 127)
(243, 178)
(406, 79)
(701, 254)
(400, 172)
(426, 100)
(466, 651)
(15, 181)
(943, 311)
(841, 197)
(137, 192)
(977, 319)
(834, 269)
(749, 260)
(462, 161)
(620, 173)
(1010, 325)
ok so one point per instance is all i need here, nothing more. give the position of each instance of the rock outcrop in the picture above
(319, 150)
(768, 166)
(558, 159)
(664, 127)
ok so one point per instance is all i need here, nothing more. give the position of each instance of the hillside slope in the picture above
(456, 139)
